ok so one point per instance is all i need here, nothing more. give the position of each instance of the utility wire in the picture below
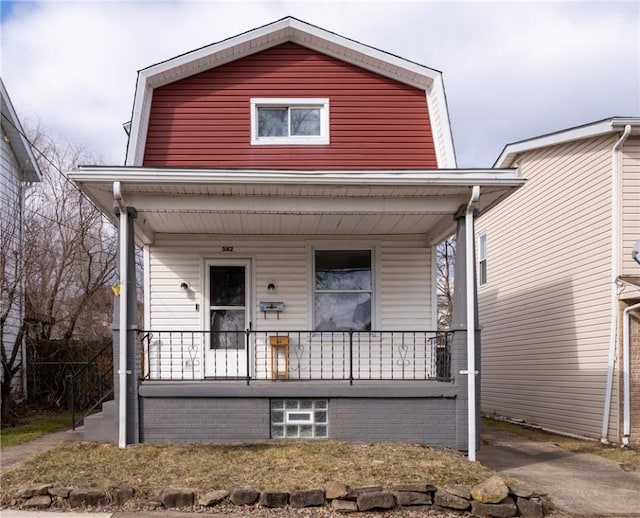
(53, 164)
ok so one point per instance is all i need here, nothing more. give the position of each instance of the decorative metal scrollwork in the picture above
(403, 350)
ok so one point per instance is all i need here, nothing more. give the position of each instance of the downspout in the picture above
(124, 325)
(626, 368)
(615, 210)
(471, 322)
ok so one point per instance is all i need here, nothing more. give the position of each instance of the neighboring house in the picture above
(18, 167)
(558, 288)
(288, 186)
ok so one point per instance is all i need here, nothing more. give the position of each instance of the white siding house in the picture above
(17, 167)
(559, 275)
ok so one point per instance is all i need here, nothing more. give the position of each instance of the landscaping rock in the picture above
(244, 496)
(460, 491)
(87, 497)
(62, 492)
(38, 502)
(376, 500)
(505, 509)
(450, 501)
(175, 497)
(274, 498)
(367, 489)
(344, 506)
(307, 498)
(491, 491)
(408, 498)
(530, 508)
(121, 495)
(520, 491)
(37, 490)
(413, 488)
(333, 490)
(213, 497)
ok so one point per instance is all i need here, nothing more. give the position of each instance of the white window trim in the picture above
(290, 102)
(309, 413)
(482, 258)
(376, 317)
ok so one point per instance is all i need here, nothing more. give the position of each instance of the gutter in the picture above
(626, 368)
(615, 216)
(471, 322)
(124, 324)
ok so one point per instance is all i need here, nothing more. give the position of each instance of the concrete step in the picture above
(101, 427)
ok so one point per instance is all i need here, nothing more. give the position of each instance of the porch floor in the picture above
(298, 389)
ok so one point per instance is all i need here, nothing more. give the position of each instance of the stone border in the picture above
(491, 498)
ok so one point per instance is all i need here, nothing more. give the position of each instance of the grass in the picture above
(277, 465)
(34, 425)
(627, 458)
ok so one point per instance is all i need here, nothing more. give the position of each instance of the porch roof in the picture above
(254, 202)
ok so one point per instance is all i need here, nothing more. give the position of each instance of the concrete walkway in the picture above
(582, 484)
(13, 456)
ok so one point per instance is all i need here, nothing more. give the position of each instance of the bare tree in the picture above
(72, 246)
(445, 267)
(67, 262)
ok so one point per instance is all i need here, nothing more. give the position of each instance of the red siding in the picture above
(204, 120)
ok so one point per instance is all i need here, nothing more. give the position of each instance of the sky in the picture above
(512, 70)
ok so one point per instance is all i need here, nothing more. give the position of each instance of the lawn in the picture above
(280, 465)
(34, 425)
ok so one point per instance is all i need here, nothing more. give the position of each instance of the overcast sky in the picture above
(512, 70)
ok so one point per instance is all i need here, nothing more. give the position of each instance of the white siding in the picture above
(402, 280)
(630, 203)
(545, 309)
(10, 239)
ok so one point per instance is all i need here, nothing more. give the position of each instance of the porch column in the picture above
(459, 357)
(133, 360)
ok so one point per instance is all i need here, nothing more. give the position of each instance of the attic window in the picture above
(289, 121)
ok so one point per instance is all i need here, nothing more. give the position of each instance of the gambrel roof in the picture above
(301, 33)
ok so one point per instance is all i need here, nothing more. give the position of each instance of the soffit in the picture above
(280, 208)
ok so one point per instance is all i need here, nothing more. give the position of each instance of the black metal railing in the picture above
(100, 370)
(296, 355)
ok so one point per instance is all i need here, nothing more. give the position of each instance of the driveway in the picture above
(581, 484)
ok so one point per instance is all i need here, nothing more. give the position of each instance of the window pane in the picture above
(342, 311)
(227, 329)
(273, 122)
(227, 286)
(305, 121)
(343, 270)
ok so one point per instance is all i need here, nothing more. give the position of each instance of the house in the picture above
(17, 168)
(288, 186)
(558, 288)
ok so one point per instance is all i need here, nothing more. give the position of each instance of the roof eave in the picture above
(18, 141)
(594, 129)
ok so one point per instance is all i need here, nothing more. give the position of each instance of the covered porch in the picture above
(270, 231)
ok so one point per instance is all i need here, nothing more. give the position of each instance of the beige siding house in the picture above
(559, 275)
(17, 166)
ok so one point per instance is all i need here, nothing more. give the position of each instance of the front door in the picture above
(228, 318)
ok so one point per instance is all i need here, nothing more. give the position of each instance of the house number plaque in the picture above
(227, 249)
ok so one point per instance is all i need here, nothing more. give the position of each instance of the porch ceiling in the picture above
(295, 203)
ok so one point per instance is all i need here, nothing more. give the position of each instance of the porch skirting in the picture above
(416, 412)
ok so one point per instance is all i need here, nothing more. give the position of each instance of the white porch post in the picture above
(122, 332)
